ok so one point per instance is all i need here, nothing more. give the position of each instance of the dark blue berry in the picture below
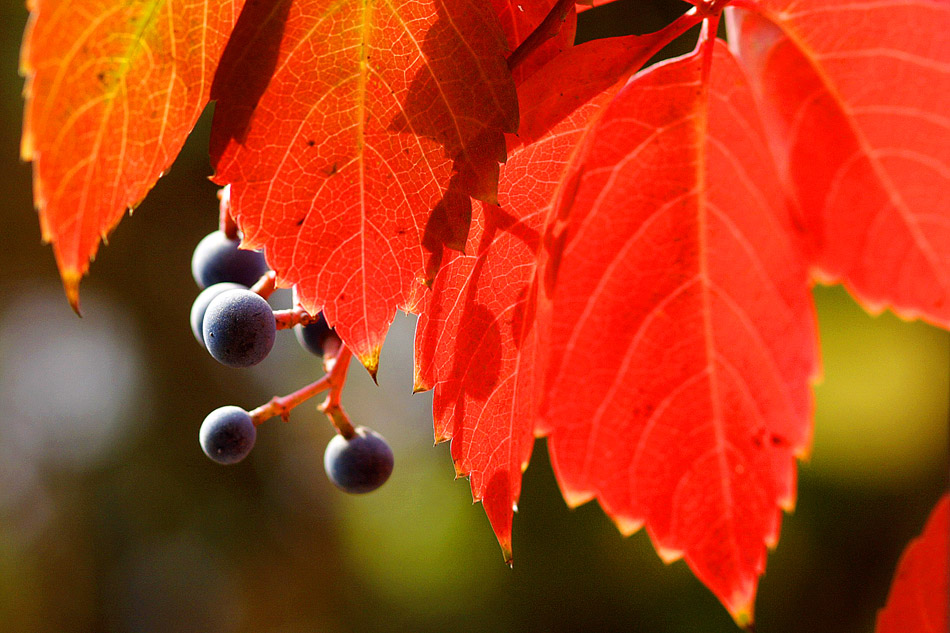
(217, 259)
(239, 328)
(318, 337)
(360, 464)
(200, 306)
(227, 435)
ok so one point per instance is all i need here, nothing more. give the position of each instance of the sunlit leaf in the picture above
(352, 135)
(113, 89)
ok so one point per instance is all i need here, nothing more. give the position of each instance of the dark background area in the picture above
(111, 518)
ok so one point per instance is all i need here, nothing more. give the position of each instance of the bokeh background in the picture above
(111, 518)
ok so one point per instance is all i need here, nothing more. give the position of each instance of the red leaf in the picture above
(684, 332)
(921, 590)
(477, 340)
(361, 145)
(857, 95)
(113, 89)
(519, 19)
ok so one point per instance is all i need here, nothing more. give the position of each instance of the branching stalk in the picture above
(333, 381)
(281, 405)
(336, 371)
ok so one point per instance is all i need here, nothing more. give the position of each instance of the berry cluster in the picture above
(232, 319)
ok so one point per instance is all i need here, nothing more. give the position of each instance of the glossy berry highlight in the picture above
(360, 464)
(239, 328)
(227, 435)
(218, 259)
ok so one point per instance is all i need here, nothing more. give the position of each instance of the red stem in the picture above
(707, 42)
(751, 5)
(549, 27)
(336, 368)
(281, 405)
(336, 371)
(267, 284)
(286, 319)
(226, 223)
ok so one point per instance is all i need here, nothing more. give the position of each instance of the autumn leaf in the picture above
(918, 600)
(630, 247)
(684, 335)
(477, 342)
(352, 157)
(113, 89)
(520, 19)
(633, 283)
(856, 96)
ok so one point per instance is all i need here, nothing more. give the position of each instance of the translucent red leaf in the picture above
(920, 593)
(112, 91)
(520, 19)
(858, 117)
(352, 134)
(478, 341)
(683, 329)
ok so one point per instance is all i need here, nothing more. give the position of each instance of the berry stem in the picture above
(286, 319)
(226, 223)
(336, 367)
(334, 379)
(281, 405)
(266, 285)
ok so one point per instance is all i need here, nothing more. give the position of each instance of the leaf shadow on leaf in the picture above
(477, 358)
(447, 227)
(248, 62)
(476, 323)
(443, 108)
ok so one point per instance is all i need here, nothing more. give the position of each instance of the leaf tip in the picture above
(669, 555)
(575, 498)
(419, 383)
(71, 286)
(507, 553)
(787, 504)
(370, 361)
(627, 527)
(743, 617)
(27, 147)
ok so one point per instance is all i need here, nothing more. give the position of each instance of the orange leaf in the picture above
(355, 156)
(857, 95)
(113, 89)
(480, 340)
(683, 332)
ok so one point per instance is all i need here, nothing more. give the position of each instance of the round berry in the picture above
(318, 337)
(200, 306)
(227, 435)
(218, 259)
(360, 464)
(239, 328)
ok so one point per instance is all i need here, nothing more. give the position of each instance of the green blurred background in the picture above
(111, 518)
